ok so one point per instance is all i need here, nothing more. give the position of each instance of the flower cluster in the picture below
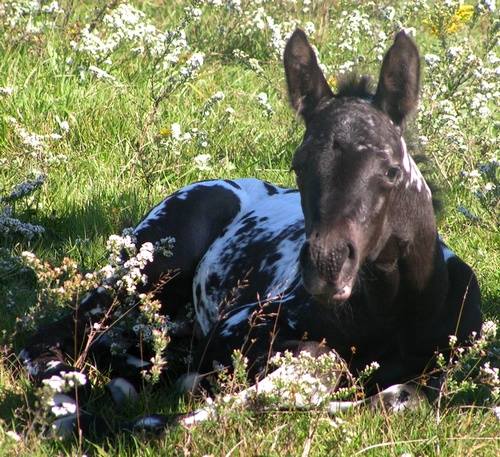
(153, 327)
(6, 91)
(27, 18)
(126, 29)
(52, 392)
(56, 287)
(188, 70)
(24, 189)
(250, 62)
(126, 262)
(305, 379)
(470, 370)
(126, 26)
(448, 17)
(9, 224)
(210, 104)
(301, 380)
(483, 181)
(38, 145)
(263, 102)
(262, 22)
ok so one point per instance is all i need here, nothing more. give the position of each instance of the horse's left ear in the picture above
(307, 86)
(399, 82)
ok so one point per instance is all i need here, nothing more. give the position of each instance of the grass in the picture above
(108, 183)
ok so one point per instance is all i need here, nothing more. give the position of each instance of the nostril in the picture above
(351, 253)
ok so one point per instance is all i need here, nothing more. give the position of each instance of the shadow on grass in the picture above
(79, 230)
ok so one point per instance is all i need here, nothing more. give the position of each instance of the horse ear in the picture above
(306, 84)
(399, 82)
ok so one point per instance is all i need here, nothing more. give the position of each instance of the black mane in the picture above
(354, 85)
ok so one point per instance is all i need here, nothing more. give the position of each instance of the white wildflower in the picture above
(74, 378)
(176, 131)
(192, 65)
(52, 7)
(99, 73)
(489, 375)
(309, 29)
(55, 383)
(262, 100)
(489, 330)
(63, 124)
(6, 91)
(202, 161)
(63, 409)
(432, 60)
(13, 435)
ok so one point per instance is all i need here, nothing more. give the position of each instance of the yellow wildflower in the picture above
(332, 82)
(447, 23)
(461, 16)
(166, 131)
(431, 26)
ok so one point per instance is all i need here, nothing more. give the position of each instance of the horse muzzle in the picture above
(329, 279)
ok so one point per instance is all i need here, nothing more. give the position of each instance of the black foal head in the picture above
(354, 173)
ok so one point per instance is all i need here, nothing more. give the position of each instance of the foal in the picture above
(350, 259)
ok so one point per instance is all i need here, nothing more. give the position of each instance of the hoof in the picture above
(398, 398)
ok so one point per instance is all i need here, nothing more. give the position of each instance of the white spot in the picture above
(274, 214)
(53, 364)
(63, 405)
(397, 398)
(413, 175)
(96, 310)
(189, 382)
(136, 362)
(32, 368)
(64, 426)
(153, 422)
(122, 391)
(62, 398)
(235, 320)
(24, 355)
(198, 416)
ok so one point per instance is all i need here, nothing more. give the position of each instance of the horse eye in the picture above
(392, 173)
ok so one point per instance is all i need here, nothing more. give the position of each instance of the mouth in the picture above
(342, 294)
(325, 292)
(328, 291)
(334, 296)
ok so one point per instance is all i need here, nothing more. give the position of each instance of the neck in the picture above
(410, 259)
(419, 232)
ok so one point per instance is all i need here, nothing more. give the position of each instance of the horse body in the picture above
(351, 260)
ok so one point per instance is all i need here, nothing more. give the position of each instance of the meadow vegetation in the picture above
(107, 107)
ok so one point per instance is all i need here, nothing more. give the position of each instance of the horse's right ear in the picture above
(306, 84)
